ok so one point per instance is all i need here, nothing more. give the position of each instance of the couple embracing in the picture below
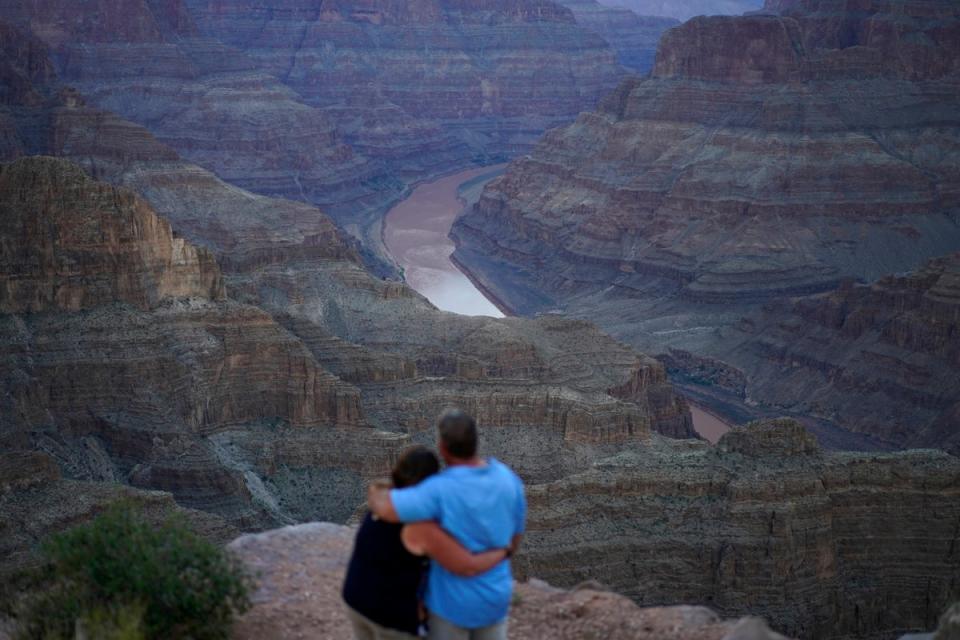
(468, 519)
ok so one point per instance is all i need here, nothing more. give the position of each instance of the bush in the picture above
(122, 578)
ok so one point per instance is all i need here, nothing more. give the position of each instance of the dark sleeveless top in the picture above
(383, 578)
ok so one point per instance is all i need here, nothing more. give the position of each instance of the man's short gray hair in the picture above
(458, 433)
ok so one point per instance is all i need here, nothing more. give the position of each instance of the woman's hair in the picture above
(414, 465)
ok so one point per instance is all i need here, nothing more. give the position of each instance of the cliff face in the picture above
(338, 104)
(768, 156)
(633, 37)
(424, 86)
(838, 545)
(895, 341)
(75, 244)
(121, 353)
(148, 62)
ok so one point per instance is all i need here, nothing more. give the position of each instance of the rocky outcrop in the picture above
(72, 243)
(121, 354)
(290, 601)
(824, 545)
(634, 37)
(738, 174)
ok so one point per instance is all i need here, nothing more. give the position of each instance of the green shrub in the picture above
(120, 577)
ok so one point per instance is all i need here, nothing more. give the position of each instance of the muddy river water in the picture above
(415, 232)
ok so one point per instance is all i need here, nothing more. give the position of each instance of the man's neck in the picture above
(475, 461)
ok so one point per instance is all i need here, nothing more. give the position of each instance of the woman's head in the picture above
(415, 464)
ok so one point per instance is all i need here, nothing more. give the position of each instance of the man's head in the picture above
(458, 436)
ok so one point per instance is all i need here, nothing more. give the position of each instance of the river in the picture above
(415, 233)
(708, 425)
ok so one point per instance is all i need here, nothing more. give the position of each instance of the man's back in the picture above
(484, 508)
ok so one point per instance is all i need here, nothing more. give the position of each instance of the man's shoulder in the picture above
(504, 470)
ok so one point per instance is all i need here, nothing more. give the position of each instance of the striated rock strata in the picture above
(767, 156)
(634, 37)
(895, 342)
(339, 104)
(824, 545)
(121, 355)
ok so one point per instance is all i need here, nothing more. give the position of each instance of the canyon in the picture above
(173, 331)
(694, 203)
(326, 102)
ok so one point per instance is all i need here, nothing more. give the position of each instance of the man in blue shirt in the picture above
(478, 501)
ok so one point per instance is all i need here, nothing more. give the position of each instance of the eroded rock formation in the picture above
(894, 341)
(634, 37)
(768, 156)
(333, 103)
(258, 406)
(824, 545)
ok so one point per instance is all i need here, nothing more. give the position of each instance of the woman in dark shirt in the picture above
(388, 567)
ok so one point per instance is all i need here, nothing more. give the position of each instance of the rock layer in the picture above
(634, 37)
(824, 545)
(767, 156)
(73, 244)
(339, 104)
(895, 341)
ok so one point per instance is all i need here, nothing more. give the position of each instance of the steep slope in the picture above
(766, 157)
(880, 359)
(823, 545)
(121, 355)
(146, 61)
(634, 37)
(338, 104)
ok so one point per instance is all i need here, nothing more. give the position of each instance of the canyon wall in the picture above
(894, 341)
(251, 392)
(824, 545)
(634, 37)
(339, 104)
(767, 157)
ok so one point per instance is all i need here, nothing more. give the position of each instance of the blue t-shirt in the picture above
(483, 508)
